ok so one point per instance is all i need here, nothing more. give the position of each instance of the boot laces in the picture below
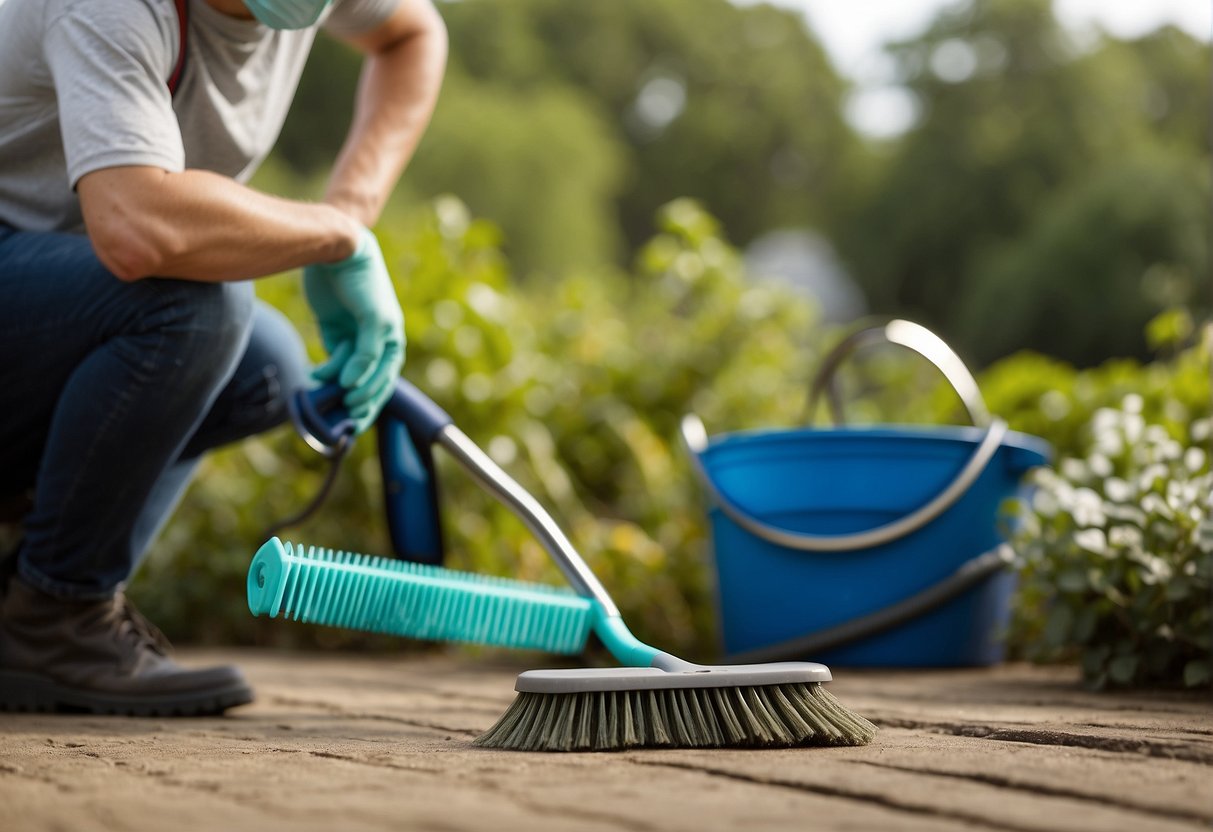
(132, 623)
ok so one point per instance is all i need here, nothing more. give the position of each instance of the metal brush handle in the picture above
(430, 423)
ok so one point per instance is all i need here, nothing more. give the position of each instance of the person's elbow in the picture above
(126, 250)
(413, 29)
(127, 236)
(437, 32)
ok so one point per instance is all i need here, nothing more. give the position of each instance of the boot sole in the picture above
(38, 694)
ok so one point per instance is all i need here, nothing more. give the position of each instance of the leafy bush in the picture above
(1050, 398)
(1117, 544)
(1117, 553)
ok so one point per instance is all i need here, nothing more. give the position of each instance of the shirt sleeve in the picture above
(110, 63)
(354, 17)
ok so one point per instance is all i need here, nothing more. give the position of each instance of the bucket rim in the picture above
(962, 434)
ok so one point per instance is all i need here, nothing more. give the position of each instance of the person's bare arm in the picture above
(401, 76)
(145, 222)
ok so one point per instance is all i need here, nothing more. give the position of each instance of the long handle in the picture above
(431, 423)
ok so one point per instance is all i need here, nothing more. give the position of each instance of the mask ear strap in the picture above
(183, 25)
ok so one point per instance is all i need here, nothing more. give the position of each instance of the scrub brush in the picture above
(655, 700)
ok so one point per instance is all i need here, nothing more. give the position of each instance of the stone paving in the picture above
(356, 743)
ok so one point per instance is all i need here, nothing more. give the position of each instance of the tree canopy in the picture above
(1051, 194)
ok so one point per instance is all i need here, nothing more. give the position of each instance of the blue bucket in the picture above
(815, 483)
(875, 546)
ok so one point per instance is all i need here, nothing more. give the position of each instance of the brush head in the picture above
(671, 672)
(744, 716)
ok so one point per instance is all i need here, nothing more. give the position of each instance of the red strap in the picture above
(183, 25)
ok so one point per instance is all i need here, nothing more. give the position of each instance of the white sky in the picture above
(853, 33)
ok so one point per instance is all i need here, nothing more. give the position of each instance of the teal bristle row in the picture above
(362, 592)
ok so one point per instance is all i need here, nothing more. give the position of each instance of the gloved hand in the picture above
(361, 325)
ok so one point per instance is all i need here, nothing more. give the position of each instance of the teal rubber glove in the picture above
(362, 328)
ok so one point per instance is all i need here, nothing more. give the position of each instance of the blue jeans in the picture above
(109, 394)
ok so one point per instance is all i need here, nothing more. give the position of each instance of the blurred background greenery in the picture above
(626, 210)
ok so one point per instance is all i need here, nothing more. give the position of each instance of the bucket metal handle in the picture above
(914, 337)
(968, 575)
(694, 437)
(927, 344)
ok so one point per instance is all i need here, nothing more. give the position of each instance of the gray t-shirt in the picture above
(83, 86)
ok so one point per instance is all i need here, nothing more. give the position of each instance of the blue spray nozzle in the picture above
(321, 419)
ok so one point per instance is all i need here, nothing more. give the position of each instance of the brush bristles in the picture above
(736, 717)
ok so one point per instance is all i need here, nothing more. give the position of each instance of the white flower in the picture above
(1093, 540)
(1100, 465)
(1105, 420)
(1045, 502)
(1194, 459)
(1182, 493)
(1125, 537)
(1126, 514)
(1170, 450)
(1055, 405)
(1150, 475)
(1109, 443)
(1074, 470)
(1156, 435)
(1134, 427)
(1087, 508)
(1156, 570)
(1200, 429)
(1118, 490)
(1155, 504)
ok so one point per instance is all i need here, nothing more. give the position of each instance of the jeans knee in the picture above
(212, 325)
(222, 314)
(204, 328)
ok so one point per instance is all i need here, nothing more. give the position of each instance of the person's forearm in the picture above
(396, 96)
(146, 222)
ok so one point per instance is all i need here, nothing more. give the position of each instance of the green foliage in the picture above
(1050, 398)
(736, 106)
(570, 124)
(1115, 546)
(1118, 555)
(1136, 232)
(1048, 197)
(575, 389)
(541, 162)
(1051, 195)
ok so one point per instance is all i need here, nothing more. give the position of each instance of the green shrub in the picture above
(1117, 543)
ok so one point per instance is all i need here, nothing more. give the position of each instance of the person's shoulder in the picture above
(139, 25)
(353, 17)
(116, 15)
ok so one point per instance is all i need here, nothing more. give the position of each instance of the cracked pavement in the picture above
(354, 743)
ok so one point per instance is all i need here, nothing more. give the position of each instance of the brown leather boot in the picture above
(100, 657)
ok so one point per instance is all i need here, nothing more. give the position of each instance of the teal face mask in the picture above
(287, 14)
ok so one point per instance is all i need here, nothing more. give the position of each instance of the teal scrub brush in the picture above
(655, 700)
